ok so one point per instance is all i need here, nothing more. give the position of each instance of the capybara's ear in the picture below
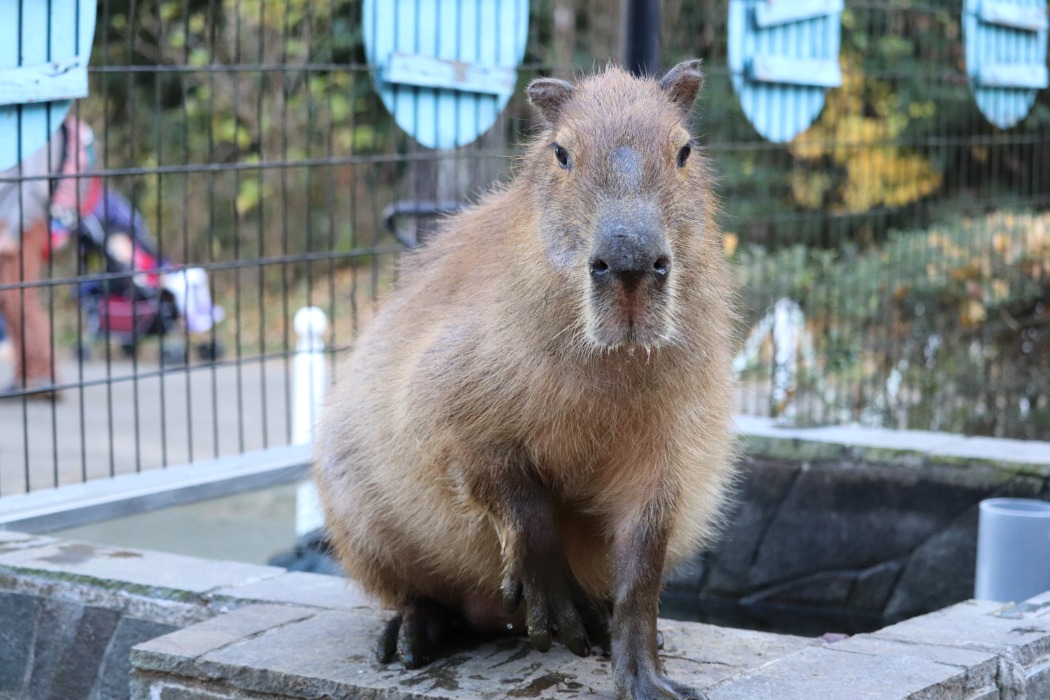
(682, 83)
(549, 95)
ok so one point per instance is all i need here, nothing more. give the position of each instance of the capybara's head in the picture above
(622, 199)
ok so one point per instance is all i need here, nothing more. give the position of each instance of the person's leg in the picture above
(23, 313)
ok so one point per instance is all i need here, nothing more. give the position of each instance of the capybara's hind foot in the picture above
(417, 634)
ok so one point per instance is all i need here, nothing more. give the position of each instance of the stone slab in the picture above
(13, 536)
(332, 654)
(176, 652)
(1020, 635)
(134, 568)
(905, 447)
(975, 650)
(266, 650)
(980, 669)
(298, 588)
(824, 672)
(11, 541)
(1032, 454)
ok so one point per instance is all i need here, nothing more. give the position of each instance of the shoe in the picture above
(39, 390)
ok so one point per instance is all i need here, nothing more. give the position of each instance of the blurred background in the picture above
(894, 254)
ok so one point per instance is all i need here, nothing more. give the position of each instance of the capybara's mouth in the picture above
(630, 318)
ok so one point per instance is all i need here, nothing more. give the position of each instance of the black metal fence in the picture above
(895, 257)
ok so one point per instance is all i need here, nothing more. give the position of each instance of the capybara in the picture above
(536, 424)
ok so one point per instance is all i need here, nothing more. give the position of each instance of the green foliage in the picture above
(901, 137)
(944, 328)
(259, 134)
(250, 86)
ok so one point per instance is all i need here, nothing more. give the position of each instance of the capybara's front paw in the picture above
(557, 607)
(416, 635)
(654, 686)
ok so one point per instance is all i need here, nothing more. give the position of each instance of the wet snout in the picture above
(629, 248)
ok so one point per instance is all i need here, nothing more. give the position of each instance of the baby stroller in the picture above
(128, 291)
(131, 292)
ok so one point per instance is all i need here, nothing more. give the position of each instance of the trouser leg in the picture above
(23, 312)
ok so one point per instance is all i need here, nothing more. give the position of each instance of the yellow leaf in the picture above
(729, 243)
(973, 313)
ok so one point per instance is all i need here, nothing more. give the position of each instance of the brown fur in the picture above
(486, 353)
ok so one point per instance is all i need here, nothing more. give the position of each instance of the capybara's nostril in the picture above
(662, 265)
(599, 268)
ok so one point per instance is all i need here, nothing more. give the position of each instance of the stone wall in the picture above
(846, 530)
(971, 651)
(827, 520)
(70, 612)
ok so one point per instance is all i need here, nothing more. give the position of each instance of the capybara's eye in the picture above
(562, 155)
(683, 155)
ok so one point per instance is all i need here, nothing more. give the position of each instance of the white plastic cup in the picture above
(1013, 549)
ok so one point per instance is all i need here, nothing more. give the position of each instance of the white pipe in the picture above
(1013, 549)
(309, 380)
(309, 372)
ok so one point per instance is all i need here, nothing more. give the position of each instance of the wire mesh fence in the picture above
(895, 257)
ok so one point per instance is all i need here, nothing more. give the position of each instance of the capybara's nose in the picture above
(629, 256)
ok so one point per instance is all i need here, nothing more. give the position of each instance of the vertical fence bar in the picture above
(641, 36)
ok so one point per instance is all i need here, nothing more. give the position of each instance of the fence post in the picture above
(640, 36)
(309, 380)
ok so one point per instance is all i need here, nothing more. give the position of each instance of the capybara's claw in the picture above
(417, 634)
(556, 607)
(596, 620)
(387, 646)
(538, 625)
(413, 647)
(512, 593)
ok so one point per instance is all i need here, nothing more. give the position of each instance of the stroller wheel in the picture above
(82, 352)
(211, 351)
(129, 348)
(174, 354)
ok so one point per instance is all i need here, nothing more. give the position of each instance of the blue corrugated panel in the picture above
(782, 55)
(1005, 56)
(445, 68)
(33, 34)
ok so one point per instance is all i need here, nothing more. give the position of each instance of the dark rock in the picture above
(116, 668)
(939, 572)
(79, 666)
(830, 589)
(687, 576)
(838, 516)
(55, 630)
(873, 587)
(18, 618)
(764, 487)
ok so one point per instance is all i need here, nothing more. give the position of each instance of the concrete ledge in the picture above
(309, 654)
(70, 612)
(882, 520)
(969, 651)
(765, 437)
(80, 620)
